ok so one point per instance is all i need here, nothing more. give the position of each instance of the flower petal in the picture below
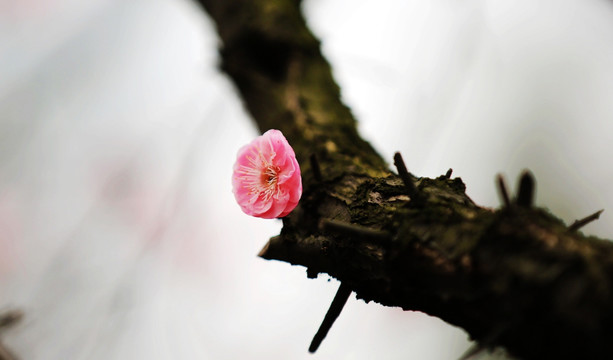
(266, 178)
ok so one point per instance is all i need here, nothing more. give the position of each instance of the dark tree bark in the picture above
(515, 277)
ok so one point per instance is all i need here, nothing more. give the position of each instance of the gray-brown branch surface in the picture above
(515, 277)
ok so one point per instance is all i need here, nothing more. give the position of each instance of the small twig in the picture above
(525, 193)
(315, 168)
(354, 231)
(502, 190)
(405, 176)
(448, 173)
(333, 312)
(586, 220)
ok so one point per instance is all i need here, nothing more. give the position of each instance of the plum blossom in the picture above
(266, 180)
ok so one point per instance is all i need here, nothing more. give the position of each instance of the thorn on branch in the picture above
(355, 231)
(502, 190)
(448, 173)
(525, 193)
(405, 176)
(315, 167)
(340, 299)
(586, 220)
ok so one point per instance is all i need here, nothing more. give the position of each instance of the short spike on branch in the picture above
(448, 173)
(502, 191)
(405, 176)
(340, 299)
(586, 220)
(525, 193)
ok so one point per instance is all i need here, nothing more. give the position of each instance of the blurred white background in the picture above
(119, 234)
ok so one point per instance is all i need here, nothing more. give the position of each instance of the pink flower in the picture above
(266, 180)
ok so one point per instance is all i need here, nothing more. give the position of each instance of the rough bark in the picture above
(515, 277)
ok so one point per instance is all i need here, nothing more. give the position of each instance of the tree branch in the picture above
(516, 277)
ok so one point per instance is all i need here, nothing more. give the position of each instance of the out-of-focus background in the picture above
(119, 234)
